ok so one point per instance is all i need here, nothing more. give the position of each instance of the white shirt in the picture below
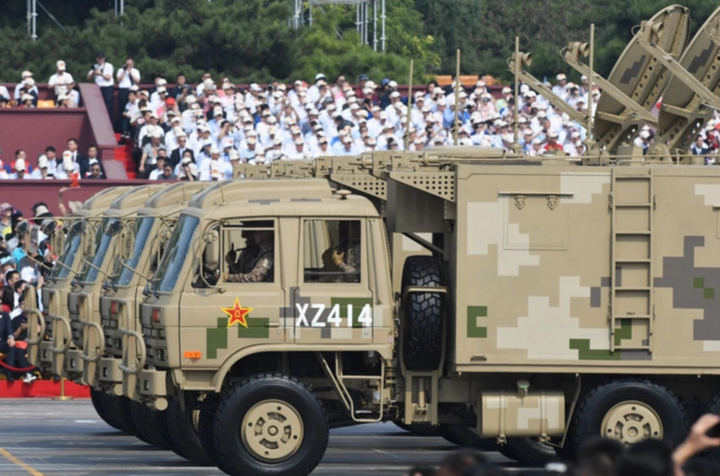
(108, 69)
(125, 83)
(4, 92)
(57, 80)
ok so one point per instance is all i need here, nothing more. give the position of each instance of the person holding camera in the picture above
(102, 74)
(127, 77)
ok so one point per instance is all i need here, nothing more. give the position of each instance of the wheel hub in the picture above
(272, 431)
(630, 422)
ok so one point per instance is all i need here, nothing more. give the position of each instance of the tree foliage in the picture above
(252, 40)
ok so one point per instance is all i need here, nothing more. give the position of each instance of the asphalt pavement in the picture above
(41, 437)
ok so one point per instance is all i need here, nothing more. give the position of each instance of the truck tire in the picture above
(418, 429)
(151, 426)
(630, 410)
(528, 451)
(270, 425)
(466, 437)
(206, 421)
(183, 430)
(423, 324)
(117, 411)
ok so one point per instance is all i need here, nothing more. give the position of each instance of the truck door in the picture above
(238, 300)
(333, 303)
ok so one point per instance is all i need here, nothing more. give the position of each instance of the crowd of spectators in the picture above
(72, 164)
(606, 457)
(198, 132)
(25, 258)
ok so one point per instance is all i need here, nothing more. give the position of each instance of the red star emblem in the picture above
(237, 313)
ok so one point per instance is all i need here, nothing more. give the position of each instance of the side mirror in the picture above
(212, 248)
(127, 241)
(22, 228)
(113, 228)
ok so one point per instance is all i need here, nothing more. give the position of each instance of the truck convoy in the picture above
(552, 299)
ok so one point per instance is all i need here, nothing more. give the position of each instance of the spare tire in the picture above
(423, 313)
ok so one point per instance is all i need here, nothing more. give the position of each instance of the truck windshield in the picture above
(102, 241)
(176, 251)
(143, 227)
(72, 244)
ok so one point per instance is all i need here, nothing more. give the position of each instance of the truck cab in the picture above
(83, 300)
(140, 252)
(262, 275)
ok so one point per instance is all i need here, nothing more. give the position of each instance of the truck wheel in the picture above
(422, 337)
(151, 426)
(206, 421)
(96, 399)
(630, 410)
(528, 451)
(117, 411)
(466, 437)
(270, 425)
(418, 429)
(183, 428)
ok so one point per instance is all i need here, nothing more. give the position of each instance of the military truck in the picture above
(140, 248)
(44, 347)
(599, 260)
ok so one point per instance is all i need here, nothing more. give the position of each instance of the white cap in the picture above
(161, 89)
(20, 165)
(319, 76)
(394, 95)
(186, 160)
(393, 84)
(26, 74)
(161, 81)
(217, 111)
(576, 134)
(560, 77)
(208, 83)
(190, 100)
(536, 141)
(233, 155)
(553, 134)
(368, 91)
(255, 87)
(645, 134)
(299, 141)
(60, 65)
(214, 150)
(42, 161)
(347, 140)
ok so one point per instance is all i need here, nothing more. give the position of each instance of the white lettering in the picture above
(365, 317)
(334, 317)
(301, 317)
(316, 322)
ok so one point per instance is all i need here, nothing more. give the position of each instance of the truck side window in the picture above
(249, 250)
(332, 251)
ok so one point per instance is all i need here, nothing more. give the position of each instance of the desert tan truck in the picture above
(560, 300)
(140, 248)
(46, 349)
(98, 265)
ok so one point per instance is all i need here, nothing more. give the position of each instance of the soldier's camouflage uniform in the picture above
(246, 262)
(262, 268)
(350, 264)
